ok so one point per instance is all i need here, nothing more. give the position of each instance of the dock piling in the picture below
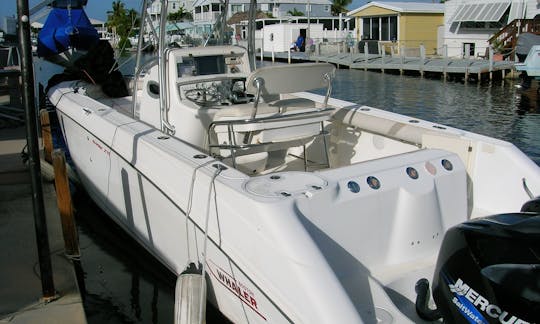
(366, 55)
(445, 62)
(65, 207)
(422, 59)
(383, 56)
(490, 63)
(401, 58)
(289, 56)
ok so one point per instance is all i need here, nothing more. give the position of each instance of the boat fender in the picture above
(531, 206)
(190, 297)
(192, 269)
(422, 300)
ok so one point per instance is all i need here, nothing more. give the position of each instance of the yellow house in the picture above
(407, 24)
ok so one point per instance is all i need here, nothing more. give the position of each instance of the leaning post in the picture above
(30, 112)
(65, 206)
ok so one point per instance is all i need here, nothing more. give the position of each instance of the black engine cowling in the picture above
(488, 271)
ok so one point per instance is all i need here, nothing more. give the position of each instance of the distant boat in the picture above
(67, 32)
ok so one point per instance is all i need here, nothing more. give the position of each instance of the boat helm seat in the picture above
(275, 120)
(271, 83)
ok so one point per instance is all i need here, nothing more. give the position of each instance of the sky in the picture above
(97, 9)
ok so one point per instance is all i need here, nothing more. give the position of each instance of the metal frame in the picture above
(233, 146)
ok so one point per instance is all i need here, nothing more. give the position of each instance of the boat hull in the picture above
(161, 226)
(328, 246)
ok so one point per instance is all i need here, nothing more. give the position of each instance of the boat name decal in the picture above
(467, 301)
(238, 288)
(101, 148)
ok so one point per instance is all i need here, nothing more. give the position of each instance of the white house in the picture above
(207, 11)
(173, 6)
(278, 37)
(470, 23)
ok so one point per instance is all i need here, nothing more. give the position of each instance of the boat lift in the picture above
(531, 66)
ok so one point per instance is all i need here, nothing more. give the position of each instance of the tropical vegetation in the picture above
(339, 6)
(122, 22)
(181, 14)
(295, 12)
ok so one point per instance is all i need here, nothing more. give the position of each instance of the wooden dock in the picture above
(437, 67)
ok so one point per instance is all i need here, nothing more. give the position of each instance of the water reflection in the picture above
(120, 281)
(123, 282)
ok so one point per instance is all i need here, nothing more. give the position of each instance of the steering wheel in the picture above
(204, 95)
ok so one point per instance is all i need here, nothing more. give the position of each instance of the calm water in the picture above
(496, 109)
(124, 284)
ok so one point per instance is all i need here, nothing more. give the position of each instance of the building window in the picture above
(375, 28)
(471, 49)
(327, 8)
(366, 28)
(380, 28)
(393, 28)
(236, 8)
(385, 25)
(264, 6)
(174, 6)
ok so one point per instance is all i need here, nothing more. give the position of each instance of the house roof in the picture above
(242, 16)
(416, 7)
(96, 21)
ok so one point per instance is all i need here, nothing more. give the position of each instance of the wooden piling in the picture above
(289, 56)
(65, 207)
(46, 135)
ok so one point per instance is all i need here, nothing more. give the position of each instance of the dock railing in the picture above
(396, 56)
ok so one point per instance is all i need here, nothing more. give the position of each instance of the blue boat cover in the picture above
(64, 29)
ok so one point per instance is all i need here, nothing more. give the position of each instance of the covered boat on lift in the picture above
(66, 32)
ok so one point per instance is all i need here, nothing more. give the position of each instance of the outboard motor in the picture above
(488, 271)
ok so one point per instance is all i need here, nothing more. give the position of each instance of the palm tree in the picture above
(339, 6)
(295, 12)
(116, 17)
(180, 15)
(122, 21)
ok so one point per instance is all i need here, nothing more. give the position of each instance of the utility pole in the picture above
(308, 33)
(30, 112)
